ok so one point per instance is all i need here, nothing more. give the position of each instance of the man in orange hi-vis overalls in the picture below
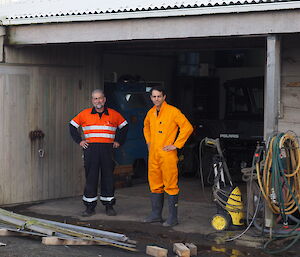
(161, 133)
(103, 129)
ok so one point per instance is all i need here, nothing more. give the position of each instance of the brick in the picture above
(181, 250)
(193, 248)
(156, 251)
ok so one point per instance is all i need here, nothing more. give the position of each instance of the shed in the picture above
(54, 52)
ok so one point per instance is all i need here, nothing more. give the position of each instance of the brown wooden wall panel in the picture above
(290, 86)
(41, 97)
(15, 147)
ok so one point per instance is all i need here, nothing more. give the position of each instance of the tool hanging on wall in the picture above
(38, 135)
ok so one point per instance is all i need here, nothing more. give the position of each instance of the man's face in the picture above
(98, 100)
(157, 98)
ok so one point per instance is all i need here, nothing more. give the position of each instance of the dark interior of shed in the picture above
(218, 84)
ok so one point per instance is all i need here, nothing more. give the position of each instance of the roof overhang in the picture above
(123, 15)
(220, 25)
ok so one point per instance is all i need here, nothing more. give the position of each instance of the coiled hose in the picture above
(278, 176)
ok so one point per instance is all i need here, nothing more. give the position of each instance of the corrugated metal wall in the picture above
(290, 85)
(42, 88)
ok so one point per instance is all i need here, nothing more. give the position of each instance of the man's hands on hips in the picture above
(84, 144)
(169, 148)
(116, 145)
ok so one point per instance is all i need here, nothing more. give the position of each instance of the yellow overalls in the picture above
(159, 131)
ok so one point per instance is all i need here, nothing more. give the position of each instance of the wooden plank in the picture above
(290, 68)
(181, 250)
(290, 97)
(284, 126)
(291, 114)
(290, 55)
(52, 240)
(2, 159)
(52, 136)
(44, 103)
(156, 251)
(6, 179)
(20, 163)
(40, 161)
(7, 134)
(57, 172)
(287, 81)
(293, 84)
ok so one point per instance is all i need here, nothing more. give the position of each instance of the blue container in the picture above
(133, 102)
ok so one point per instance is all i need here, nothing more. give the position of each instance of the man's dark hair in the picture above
(158, 88)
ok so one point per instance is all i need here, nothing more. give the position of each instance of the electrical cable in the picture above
(200, 171)
(249, 225)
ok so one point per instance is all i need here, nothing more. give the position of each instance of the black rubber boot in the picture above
(110, 211)
(88, 212)
(172, 216)
(157, 203)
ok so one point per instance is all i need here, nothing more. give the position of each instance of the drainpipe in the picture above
(2, 35)
(272, 99)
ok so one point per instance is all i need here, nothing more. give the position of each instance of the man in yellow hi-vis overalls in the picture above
(161, 133)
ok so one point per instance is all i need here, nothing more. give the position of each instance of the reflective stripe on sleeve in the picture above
(94, 127)
(102, 198)
(89, 200)
(74, 124)
(99, 135)
(123, 124)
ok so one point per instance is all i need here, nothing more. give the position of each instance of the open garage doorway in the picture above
(217, 83)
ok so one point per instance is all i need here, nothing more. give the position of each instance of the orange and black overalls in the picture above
(100, 132)
(161, 129)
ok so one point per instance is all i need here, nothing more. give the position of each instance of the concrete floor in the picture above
(133, 204)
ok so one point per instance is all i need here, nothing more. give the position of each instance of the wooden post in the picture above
(272, 86)
(272, 97)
